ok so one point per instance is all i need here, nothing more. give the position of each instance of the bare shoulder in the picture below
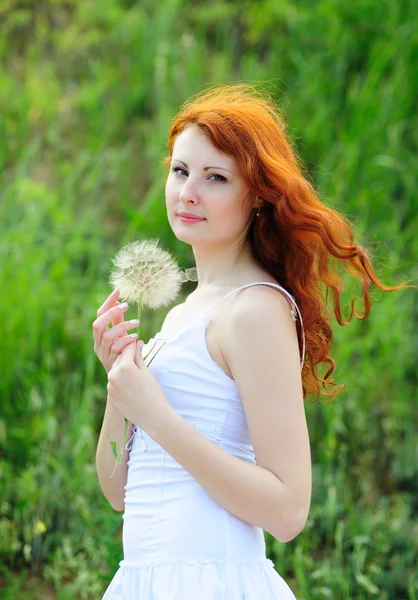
(257, 297)
(258, 316)
(259, 303)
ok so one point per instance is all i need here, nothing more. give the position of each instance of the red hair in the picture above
(296, 236)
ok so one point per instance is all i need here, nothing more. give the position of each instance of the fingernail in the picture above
(115, 291)
(133, 335)
(134, 322)
(123, 305)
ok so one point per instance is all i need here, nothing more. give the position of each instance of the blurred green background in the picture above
(87, 92)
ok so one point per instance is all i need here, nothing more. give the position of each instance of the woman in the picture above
(220, 446)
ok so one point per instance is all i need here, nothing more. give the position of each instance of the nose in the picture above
(189, 192)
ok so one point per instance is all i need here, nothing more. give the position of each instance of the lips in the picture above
(191, 216)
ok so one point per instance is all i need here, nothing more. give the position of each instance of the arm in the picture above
(262, 353)
(112, 430)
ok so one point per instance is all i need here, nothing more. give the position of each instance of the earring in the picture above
(259, 209)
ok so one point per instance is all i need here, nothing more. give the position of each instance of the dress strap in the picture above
(293, 309)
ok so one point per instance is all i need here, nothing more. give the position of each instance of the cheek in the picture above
(169, 191)
(230, 207)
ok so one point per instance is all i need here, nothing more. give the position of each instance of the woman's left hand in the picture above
(135, 392)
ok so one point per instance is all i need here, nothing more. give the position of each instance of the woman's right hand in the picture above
(108, 343)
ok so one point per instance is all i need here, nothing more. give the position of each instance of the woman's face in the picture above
(207, 183)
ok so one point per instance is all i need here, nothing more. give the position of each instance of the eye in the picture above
(175, 169)
(221, 177)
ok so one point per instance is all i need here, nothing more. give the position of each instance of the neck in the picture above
(221, 270)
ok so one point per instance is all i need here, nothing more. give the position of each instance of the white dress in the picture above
(178, 543)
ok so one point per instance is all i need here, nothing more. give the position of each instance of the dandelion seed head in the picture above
(146, 274)
(189, 275)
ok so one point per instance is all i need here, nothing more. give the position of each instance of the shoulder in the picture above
(259, 322)
(254, 299)
(262, 305)
(172, 314)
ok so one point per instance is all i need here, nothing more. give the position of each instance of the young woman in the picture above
(220, 446)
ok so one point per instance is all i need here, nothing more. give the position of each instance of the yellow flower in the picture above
(40, 527)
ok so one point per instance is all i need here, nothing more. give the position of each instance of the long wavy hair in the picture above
(298, 240)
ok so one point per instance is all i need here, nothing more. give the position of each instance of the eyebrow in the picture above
(204, 168)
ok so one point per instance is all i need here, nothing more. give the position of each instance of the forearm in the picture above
(248, 491)
(113, 427)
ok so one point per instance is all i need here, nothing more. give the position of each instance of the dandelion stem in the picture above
(120, 453)
(139, 311)
(141, 268)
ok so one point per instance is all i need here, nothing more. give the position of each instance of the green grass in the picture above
(87, 92)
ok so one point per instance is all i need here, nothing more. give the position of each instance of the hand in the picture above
(108, 343)
(134, 390)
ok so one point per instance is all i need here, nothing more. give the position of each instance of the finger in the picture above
(118, 346)
(128, 354)
(115, 317)
(118, 316)
(116, 338)
(118, 332)
(101, 324)
(118, 359)
(109, 302)
(139, 360)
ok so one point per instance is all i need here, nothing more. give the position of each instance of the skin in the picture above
(275, 493)
(223, 258)
(108, 343)
(221, 254)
